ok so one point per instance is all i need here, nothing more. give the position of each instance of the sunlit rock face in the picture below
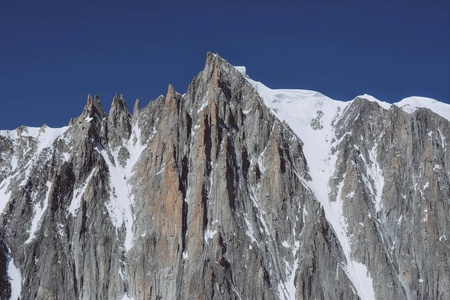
(229, 191)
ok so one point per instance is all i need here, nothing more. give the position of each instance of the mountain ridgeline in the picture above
(229, 191)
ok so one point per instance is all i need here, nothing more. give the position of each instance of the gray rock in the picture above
(205, 195)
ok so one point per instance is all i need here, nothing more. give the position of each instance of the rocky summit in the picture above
(232, 190)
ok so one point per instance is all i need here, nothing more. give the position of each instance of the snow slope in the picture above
(15, 279)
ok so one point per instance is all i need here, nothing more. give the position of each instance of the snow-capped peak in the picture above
(383, 104)
(411, 104)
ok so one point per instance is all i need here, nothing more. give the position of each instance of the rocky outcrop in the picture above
(5, 292)
(208, 195)
(395, 186)
(119, 122)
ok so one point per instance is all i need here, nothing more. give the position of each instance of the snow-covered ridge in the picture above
(241, 69)
(383, 104)
(44, 134)
(312, 115)
(411, 104)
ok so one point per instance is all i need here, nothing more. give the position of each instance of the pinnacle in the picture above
(219, 66)
(171, 90)
(43, 127)
(137, 107)
(89, 101)
(98, 106)
(210, 59)
(211, 55)
(92, 107)
(118, 103)
(115, 100)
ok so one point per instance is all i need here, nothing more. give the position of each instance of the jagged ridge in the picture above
(223, 192)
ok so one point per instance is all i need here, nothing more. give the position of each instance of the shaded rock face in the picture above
(403, 222)
(205, 196)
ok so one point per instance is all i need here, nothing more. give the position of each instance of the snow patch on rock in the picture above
(39, 209)
(15, 278)
(120, 206)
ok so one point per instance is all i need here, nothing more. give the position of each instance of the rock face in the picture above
(221, 194)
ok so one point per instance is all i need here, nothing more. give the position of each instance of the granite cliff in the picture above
(229, 191)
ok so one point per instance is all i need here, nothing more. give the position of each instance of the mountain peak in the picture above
(210, 57)
(214, 60)
(43, 128)
(171, 90)
(92, 108)
(314, 196)
(89, 101)
(118, 104)
(137, 107)
(411, 104)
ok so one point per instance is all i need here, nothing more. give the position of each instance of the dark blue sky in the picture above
(54, 53)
